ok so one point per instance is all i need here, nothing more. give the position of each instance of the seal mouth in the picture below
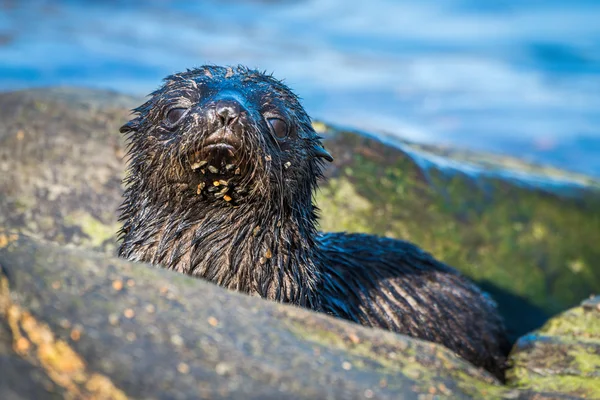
(223, 147)
(223, 136)
(218, 149)
(217, 171)
(218, 157)
(215, 154)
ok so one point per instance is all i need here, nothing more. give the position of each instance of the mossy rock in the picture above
(564, 355)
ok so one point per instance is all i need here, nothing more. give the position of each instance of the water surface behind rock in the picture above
(520, 78)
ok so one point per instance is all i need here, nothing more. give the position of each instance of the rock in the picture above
(80, 324)
(61, 164)
(75, 321)
(563, 356)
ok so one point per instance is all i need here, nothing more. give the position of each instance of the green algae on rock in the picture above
(563, 355)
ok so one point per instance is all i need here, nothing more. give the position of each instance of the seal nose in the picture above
(228, 111)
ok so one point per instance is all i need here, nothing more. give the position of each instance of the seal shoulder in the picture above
(395, 285)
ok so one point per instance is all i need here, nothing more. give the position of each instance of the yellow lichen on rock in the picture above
(35, 342)
(7, 238)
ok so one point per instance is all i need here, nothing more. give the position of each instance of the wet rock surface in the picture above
(526, 234)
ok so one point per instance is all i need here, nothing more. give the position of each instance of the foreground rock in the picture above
(78, 324)
(527, 235)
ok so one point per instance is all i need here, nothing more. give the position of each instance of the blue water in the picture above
(510, 77)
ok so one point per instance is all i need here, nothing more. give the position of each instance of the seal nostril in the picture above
(227, 111)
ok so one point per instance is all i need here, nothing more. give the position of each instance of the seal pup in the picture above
(223, 163)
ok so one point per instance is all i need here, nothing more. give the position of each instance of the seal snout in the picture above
(222, 140)
(225, 120)
(227, 111)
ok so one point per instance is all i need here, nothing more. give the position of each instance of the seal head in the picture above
(225, 135)
(223, 164)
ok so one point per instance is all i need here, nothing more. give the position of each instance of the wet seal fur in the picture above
(223, 165)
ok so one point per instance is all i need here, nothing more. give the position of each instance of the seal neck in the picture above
(255, 248)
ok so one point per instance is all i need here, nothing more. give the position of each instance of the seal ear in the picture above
(130, 126)
(320, 152)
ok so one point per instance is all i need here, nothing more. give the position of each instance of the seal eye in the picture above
(174, 115)
(278, 127)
